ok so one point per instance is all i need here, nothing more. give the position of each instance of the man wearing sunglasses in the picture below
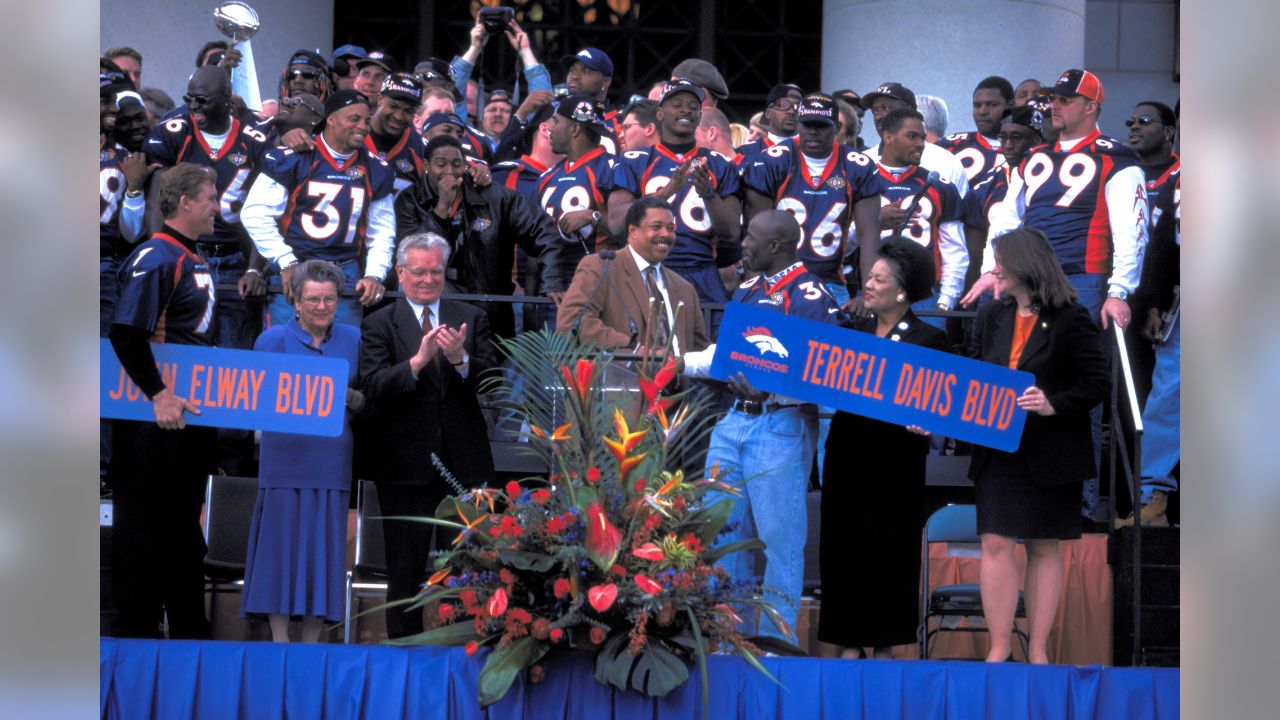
(1088, 195)
(308, 73)
(781, 121)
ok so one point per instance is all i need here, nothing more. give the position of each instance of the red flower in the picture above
(647, 585)
(556, 634)
(560, 588)
(603, 539)
(593, 475)
(468, 598)
(513, 489)
(556, 525)
(597, 635)
(541, 496)
(506, 577)
(511, 526)
(640, 485)
(692, 542)
(651, 388)
(472, 647)
(446, 612)
(601, 597)
(579, 380)
(648, 551)
(618, 570)
(652, 522)
(498, 603)
(519, 616)
(541, 629)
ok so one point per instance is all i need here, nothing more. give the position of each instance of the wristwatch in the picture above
(1118, 294)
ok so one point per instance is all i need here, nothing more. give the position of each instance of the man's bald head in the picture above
(208, 99)
(209, 80)
(770, 244)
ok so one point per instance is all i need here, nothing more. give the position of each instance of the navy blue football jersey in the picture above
(405, 158)
(237, 164)
(584, 185)
(1161, 189)
(939, 204)
(794, 291)
(111, 187)
(823, 205)
(988, 190)
(328, 206)
(748, 151)
(520, 175)
(974, 152)
(166, 290)
(648, 170)
(1066, 199)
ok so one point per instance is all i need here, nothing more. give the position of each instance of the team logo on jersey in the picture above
(238, 159)
(776, 297)
(835, 182)
(481, 224)
(106, 155)
(355, 172)
(403, 165)
(765, 342)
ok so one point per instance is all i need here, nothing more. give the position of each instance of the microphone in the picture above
(607, 256)
(929, 180)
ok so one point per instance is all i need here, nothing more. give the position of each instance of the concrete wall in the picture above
(169, 33)
(944, 47)
(1129, 44)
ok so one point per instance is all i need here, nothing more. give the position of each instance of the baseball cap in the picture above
(341, 99)
(433, 69)
(850, 97)
(704, 74)
(308, 57)
(818, 108)
(403, 86)
(781, 90)
(377, 57)
(1078, 82)
(889, 89)
(312, 102)
(681, 85)
(112, 81)
(499, 95)
(350, 51)
(583, 109)
(1027, 116)
(442, 118)
(594, 58)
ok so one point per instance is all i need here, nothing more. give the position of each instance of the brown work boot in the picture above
(1153, 513)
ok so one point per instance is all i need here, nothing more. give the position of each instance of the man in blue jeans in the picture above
(765, 443)
(1087, 194)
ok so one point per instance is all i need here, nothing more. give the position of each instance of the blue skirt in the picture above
(297, 554)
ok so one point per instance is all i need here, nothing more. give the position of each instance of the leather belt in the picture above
(753, 408)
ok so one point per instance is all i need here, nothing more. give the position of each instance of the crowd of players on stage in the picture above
(410, 179)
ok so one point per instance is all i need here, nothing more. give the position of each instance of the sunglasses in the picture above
(295, 102)
(200, 100)
(300, 72)
(785, 104)
(1142, 120)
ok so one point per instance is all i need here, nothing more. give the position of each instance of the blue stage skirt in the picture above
(297, 554)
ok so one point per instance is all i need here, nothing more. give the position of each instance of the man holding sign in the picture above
(158, 469)
(772, 436)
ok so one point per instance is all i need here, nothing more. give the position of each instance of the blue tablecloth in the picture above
(224, 680)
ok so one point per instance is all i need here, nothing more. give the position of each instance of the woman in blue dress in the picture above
(297, 542)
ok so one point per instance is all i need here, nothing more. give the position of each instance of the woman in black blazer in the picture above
(873, 483)
(1034, 493)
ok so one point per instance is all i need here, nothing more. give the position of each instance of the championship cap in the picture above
(704, 74)
(112, 81)
(681, 85)
(1079, 82)
(1026, 116)
(594, 58)
(499, 95)
(443, 118)
(889, 89)
(781, 90)
(377, 57)
(403, 86)
(817, 109)
(350, 51)
(582, 109)
(308, 57)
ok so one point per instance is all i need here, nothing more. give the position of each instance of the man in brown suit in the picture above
(629, 300)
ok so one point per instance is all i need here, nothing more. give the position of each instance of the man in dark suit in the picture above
(638, 303)
(420, 361)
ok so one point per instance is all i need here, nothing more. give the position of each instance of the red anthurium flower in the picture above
(498, 603)
(648, 551)
(647, 585)
(603, 539)
(601, 597)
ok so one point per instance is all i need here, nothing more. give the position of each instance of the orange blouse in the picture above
(1021, 331)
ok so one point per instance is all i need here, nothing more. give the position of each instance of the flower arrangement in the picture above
(613, 553)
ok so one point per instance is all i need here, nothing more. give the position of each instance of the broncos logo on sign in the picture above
(765, 342)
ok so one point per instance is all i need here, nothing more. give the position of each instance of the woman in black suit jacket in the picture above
(1034, 493)
(873, 482)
